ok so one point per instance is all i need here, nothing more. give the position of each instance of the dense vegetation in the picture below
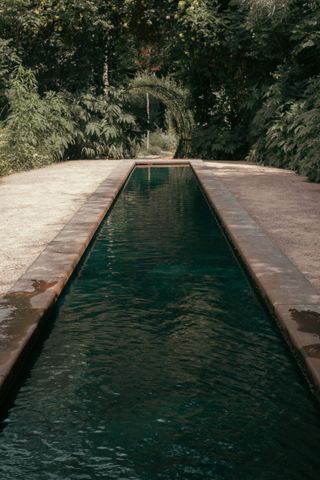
(251, 69)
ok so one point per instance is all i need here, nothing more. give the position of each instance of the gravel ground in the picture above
(35, 205)
(285, 205)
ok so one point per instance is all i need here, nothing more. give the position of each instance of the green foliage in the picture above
(214, 57)
(286, 130)
(214, 142)
(261, 9)
(43, 129)
(4, 163)
(38, 129)
(9, 60)
(159, 142)
(250, 67)
(164, 140)
(64, 41)
(104, 128)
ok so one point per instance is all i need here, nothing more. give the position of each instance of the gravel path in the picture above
(284, 204)
(35, 205)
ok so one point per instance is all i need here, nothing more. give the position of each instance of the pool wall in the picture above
(291, 298)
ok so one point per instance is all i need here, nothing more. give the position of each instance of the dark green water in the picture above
(162, 364)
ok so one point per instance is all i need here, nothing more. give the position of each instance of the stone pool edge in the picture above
(293, 300)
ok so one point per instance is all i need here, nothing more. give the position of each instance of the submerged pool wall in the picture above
(291, 298)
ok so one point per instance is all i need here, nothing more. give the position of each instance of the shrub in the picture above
(159, 141)
(8, 62)
(104, 128)
(286, 130)
(38, 129)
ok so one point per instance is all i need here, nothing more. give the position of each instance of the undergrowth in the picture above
(286, 130)
(42, 129)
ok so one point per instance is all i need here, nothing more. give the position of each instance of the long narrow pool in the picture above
(162, 363)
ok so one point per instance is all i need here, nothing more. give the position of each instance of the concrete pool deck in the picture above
(49, 216)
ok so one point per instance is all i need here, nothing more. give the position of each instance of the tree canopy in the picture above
(249, 69)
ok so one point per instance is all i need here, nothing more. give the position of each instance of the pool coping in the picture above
(293, 300)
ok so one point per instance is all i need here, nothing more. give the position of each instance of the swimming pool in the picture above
(162, 362)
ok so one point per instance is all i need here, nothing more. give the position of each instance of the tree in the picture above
(250, 67)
